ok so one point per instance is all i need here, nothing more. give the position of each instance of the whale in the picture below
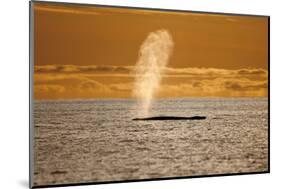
(159, 118)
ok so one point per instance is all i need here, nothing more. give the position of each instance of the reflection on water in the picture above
(96, 140)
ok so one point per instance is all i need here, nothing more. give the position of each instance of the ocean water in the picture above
(96, 140)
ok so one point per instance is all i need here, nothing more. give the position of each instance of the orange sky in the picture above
(89, 52)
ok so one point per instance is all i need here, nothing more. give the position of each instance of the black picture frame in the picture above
(31, 66)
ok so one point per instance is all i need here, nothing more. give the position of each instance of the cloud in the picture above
(72, 79)
(69, 81)
(168, 72)
(215, 87)
(46, 69)
(81, 69)
(67, 86)
(214, 72)
(245, 86)
(105, 69)
(93, 86)
(197, 84)
(66, 9)
(252, 72)
(49, 88)
(107, 10)
(122, 87)
(48, 91)
(91, 10)
(90, 85)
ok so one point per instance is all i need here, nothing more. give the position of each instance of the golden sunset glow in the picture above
(90, 52)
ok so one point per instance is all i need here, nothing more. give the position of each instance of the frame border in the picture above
(31, 100)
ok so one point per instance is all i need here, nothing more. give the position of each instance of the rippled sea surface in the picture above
(96, 140)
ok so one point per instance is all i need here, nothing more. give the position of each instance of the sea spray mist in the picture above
(153, 57)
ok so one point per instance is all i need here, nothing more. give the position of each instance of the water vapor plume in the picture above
(153, 57)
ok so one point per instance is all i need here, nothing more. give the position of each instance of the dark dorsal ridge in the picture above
(157, 118)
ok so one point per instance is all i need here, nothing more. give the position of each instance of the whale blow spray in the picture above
(153, 57)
